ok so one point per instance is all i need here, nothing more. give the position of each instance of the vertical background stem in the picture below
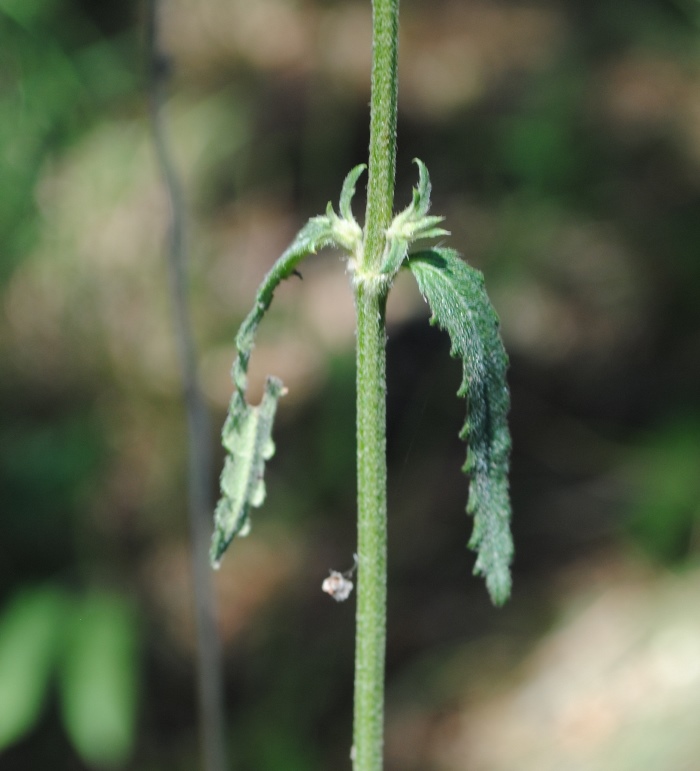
(370, 297)
(200, 503)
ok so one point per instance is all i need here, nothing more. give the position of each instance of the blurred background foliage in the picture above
(563, 140)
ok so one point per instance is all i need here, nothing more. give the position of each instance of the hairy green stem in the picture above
(382, 140)
(371, 526)
(370, 298)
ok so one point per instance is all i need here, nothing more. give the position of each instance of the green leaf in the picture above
(456, 295)
(348, 192)
(247, 436)
(664, 507)
(247, 432)
(28, 13)
(30, 630)
(98, 680)
(412, 224)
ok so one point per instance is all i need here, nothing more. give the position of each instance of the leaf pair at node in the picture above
(456, 295)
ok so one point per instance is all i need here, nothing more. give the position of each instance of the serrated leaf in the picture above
(457, 298)
(247, 432)
(30, 633)
(247, 436)
(98, 680)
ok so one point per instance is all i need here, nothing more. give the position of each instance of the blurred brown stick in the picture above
(200, 502)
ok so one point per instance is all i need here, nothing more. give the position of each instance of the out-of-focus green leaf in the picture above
(665, 509)
(538, 150)
(30, 630)
(98, 680)
(26, 12)
(284, 749)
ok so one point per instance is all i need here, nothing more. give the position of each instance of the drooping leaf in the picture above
(457, 298)
(98, 680)
(30, 632)
(247, 436)
(247, 432)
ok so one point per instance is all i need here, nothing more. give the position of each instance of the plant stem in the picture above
(371, 531)
(370, 298)
(382, 139)
(209, 664)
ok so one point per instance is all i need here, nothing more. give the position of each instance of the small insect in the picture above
(339, 585)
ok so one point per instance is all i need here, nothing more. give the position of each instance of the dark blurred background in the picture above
(563, 141)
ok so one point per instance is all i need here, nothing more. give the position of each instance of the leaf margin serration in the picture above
(459, 305)
(247, 431)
